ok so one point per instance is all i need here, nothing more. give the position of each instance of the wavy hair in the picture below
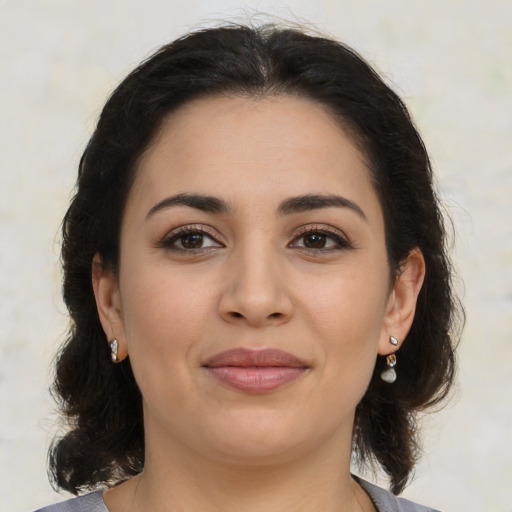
(101, 402)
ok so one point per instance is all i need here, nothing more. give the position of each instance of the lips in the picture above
(255, 371)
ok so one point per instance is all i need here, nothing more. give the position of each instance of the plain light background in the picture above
(451, 60)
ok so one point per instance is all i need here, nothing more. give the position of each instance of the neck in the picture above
(183, 481)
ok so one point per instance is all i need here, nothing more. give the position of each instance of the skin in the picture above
(253, 281)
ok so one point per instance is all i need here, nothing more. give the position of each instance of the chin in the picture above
(257, 455)
(259, 438)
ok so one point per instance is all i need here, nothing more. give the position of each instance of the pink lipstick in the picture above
(255, 371)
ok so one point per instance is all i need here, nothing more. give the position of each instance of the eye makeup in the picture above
(199, 238)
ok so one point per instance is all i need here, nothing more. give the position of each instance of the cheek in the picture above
(347, 313)
(348, 305)
(164, 314)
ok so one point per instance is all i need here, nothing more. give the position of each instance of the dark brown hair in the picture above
(102, 403)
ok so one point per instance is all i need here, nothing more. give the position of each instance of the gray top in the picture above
(383, 500)
(92, 502)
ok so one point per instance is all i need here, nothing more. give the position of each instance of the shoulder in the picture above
(92, 502)
(383, 500)
(387, 502)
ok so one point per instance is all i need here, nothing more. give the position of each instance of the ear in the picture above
(108, 302)
(401, 304)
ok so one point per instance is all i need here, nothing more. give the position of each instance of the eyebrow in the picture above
(208, 204)
(297, 204)
(307, 202)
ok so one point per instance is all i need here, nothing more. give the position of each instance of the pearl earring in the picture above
(114, 347)
(389, 374)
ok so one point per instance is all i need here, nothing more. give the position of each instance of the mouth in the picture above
(255, 371)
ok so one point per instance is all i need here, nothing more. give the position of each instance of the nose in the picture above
(255, 290)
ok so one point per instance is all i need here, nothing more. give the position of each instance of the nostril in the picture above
(236, 314)
(276, 315)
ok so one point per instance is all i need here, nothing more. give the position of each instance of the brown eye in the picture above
(315, 241)
(321, 241)
(192, 241)
(189, 239)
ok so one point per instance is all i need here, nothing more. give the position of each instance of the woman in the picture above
(254, 264)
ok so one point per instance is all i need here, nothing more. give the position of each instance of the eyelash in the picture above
(341, 241)
(168, 241)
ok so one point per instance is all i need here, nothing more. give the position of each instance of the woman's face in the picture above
(253, 294)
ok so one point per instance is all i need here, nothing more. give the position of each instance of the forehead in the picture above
(251, 146)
